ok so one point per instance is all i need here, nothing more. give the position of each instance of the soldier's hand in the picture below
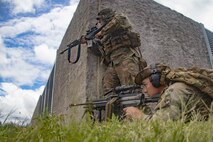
(83, 40)
(98, 35)
(133, 113)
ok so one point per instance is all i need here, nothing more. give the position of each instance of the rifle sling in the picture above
(78, 54)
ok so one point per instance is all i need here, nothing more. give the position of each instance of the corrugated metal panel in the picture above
(210, 38)
(208, 35)
(50, 90)
(45, 100)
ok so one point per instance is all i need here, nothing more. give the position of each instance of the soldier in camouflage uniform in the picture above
(119, 48)
(178, 100)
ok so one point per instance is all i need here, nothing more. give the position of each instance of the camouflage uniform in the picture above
(121, 54)
(180, 101)
(188, 93)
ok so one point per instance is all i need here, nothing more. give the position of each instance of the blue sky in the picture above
(30, 33)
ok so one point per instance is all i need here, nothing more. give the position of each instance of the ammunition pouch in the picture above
(94, 46)
(137, 54)
(106, 60)
(134, 39)
(120, 40)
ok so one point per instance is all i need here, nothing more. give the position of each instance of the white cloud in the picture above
(14, 66)
(52, 26)
(24, 6)
(45, 54)
(21, 65)
(25, 65)
(73, 2)
(31, 59)
(22, 101)
(49, 28)
(197, 10)
(3, 58)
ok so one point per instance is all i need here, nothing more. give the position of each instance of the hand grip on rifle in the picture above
(90, 35)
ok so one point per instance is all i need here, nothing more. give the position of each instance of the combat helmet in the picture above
(155, 72)
(106, 14)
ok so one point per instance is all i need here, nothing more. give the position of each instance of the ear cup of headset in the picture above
(155, 79)
(155, 76)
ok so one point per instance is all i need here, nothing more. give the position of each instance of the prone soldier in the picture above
(185, 93)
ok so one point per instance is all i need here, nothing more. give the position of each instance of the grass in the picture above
(53, 129)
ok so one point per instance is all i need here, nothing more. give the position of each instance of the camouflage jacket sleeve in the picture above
(172, 102)
(117, 22)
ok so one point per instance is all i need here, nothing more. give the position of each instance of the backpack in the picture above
(200, 78)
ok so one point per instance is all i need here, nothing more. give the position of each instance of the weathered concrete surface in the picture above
(70, 79)
(167, 37)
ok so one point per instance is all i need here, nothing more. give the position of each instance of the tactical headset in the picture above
(155, 76)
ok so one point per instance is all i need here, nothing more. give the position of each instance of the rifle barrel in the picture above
(93, 103)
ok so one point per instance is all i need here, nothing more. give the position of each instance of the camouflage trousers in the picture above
(121, 74)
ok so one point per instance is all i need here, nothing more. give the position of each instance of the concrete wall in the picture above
(70, 79)
(167, 37)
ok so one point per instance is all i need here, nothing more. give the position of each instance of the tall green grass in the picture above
(53, 129)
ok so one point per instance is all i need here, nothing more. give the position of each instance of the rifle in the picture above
(90, 35)
(124, 96)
